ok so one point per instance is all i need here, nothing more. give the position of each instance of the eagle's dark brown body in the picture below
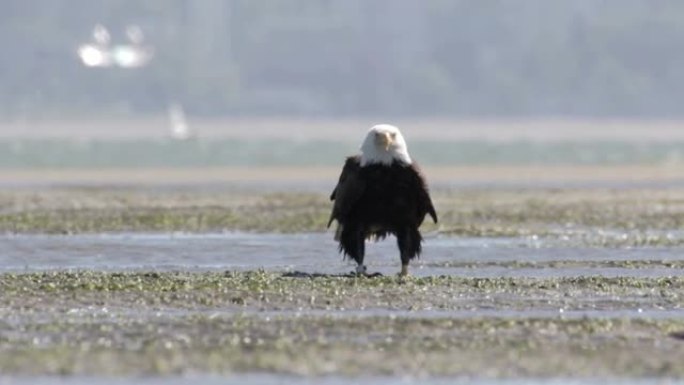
(377, 200)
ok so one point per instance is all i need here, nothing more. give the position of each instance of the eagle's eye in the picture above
(394, 135)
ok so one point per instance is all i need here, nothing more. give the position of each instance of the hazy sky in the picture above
(616, 58)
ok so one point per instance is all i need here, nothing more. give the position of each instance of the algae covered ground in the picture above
(168, 322)
(90, 323)
(595, 217)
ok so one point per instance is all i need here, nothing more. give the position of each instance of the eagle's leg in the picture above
(361, 269)
(352, 243)
(359, 253)
(408, 241)
(402, 242)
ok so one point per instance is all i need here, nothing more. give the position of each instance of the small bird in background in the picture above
(178, 124)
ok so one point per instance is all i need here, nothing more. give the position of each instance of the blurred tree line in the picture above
(350, 57)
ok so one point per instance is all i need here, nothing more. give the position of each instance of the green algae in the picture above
(601, 218)
(346, 346)
(143, 323)
(232, 291)
(259, 280)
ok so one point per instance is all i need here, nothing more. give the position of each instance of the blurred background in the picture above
(150, 84)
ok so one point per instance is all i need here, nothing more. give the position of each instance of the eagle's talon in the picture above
(362, 271)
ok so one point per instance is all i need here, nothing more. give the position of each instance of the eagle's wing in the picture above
(349, 189)
(424, 195)
(430, 207)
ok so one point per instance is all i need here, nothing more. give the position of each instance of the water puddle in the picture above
(114, 315)
(317, 253)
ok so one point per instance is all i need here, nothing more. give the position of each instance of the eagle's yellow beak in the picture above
(386, 140)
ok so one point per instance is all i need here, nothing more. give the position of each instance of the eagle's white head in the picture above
(384, 144)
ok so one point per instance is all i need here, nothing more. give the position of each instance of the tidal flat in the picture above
(150, 323)
(515, 283)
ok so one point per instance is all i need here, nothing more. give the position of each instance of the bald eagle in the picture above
(381, 192)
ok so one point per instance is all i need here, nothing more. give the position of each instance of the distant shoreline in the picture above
(324, 177)
(352, 129)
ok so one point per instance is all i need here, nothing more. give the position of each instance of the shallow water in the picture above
(103, 314)
(314, 253)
